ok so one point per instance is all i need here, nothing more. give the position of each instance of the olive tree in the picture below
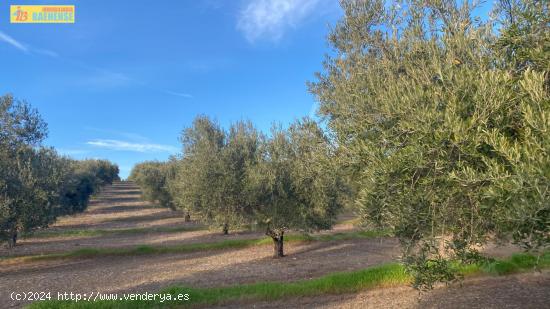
(295, 185)
(104, 171)
(33, 192)
(30, 175)
(152, 177)
(21, 129)
(36, 184)
(82, 178)
(442, 122)
(239, 157)
(201, 182)
(211, 176)
(180, 187)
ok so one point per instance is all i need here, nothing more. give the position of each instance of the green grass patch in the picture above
(100, 232)
(184, 248)
(345, 282)
(516, 263)
(337, 283)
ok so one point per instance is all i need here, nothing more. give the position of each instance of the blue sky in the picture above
(125, 79)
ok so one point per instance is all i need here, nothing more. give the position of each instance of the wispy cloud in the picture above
(27, 49)
(130, 146)
(178, 94)
(271, 18)
(13, 42)
(104, 78)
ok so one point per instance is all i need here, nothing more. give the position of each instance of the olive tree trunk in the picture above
(277, 237)
(12, 239)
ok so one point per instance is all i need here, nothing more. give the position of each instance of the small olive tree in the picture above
(295, 185)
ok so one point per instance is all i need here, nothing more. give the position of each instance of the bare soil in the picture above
(119, 206)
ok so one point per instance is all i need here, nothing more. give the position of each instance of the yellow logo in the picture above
(51, 14)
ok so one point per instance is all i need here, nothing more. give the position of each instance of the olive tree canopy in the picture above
(442, 122)
(295, 185)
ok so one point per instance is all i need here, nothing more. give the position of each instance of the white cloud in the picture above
(178, 94)
(27, 49)
(129, 146)
(13, 42)
(271, 18)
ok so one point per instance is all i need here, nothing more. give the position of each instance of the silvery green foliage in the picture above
(36, 184)
(241, 178)
(153, 177)
(27, 180)
(295, 184)
(442, 123)
(211, 176)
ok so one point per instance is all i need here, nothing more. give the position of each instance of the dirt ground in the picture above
(119, 206)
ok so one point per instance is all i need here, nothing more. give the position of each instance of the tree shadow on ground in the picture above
(89, 263)
(304, 261)
(153, 237)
